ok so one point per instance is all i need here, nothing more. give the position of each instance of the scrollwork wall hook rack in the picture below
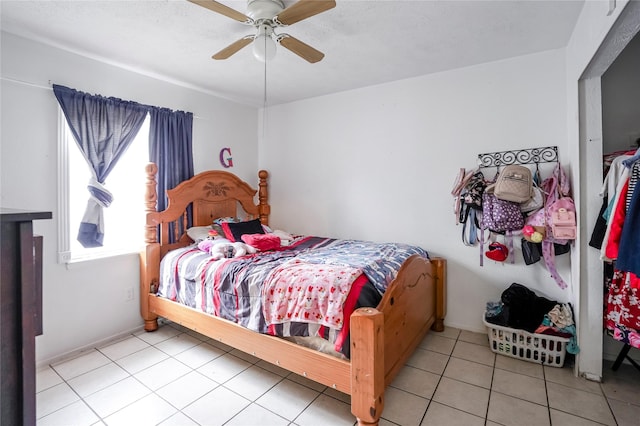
(547, 154)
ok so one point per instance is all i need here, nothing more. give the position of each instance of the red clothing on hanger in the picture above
(617, 222)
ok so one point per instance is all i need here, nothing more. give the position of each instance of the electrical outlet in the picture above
(128, 294)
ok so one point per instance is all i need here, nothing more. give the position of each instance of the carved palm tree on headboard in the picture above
(216, 189)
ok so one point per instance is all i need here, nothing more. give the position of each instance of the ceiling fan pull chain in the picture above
(264, 104)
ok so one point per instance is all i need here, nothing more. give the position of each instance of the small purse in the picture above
(531, 252)
(563, 219)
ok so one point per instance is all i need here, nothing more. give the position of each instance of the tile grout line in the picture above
(546, 392)
(280, 379)
(81, 398)
(254, 364)
(153, 392)
(493, 373)
(113, 362)
(437, 384)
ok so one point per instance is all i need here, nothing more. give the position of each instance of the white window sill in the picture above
(86, 259)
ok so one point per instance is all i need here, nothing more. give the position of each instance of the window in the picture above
(124, 219)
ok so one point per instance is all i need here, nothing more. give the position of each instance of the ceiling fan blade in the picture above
(233, 48)
(301, 49)
(224, 10)
(303, 9)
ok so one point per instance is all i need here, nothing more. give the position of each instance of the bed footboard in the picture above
(440, 266)
(367, 365)
(383, 339)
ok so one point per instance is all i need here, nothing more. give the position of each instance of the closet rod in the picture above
(547, 154)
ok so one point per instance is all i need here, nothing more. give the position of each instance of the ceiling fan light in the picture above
(264, 48)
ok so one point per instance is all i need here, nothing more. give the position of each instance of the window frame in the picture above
(66, 255)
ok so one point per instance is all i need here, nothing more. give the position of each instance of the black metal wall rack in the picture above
(547, 154)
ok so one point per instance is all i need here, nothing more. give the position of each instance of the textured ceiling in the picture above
(364, 42)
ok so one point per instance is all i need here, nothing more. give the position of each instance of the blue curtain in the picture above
(103, 129)
(170, 148)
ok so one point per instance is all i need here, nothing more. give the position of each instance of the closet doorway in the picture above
(609, 121)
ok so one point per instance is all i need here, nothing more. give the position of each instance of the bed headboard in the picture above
(211, 194)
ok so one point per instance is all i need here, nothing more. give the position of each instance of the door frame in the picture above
(589, 362)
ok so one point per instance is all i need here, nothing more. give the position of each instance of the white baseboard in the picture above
(79, 351)
(465, 328)
(592, 377)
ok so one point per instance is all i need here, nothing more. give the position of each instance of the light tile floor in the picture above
(175, 376)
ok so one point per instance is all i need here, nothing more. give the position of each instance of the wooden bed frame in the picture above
(382, 338)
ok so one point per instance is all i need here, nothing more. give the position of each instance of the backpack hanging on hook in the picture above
(514, 183)
(469, 204)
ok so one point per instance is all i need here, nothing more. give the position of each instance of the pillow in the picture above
(221, 220)
(262, 242)
(217, 224)
(235, 231)
(218, 229)
(198, 233)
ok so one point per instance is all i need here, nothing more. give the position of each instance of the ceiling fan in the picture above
(265, 16)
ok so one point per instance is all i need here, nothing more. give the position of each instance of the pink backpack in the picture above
(563, 218)
(558, 189)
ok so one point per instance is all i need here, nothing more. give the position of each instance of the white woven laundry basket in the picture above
(539, 348)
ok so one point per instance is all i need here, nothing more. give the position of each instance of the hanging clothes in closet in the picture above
(617, 235)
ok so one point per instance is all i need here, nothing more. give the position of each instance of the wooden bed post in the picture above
(440, 265)
(367, 365)
(150, 257)
(264, 209)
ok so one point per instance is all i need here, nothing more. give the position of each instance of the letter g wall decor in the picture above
(225, 159)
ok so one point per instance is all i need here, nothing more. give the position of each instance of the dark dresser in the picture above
(20, 314)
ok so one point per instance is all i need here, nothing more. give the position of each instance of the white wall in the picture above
(621, 100)
(378, 163)
(84, 303)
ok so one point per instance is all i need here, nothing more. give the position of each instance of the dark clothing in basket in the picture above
(522, 309)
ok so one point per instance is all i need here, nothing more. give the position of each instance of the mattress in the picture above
(307, 289)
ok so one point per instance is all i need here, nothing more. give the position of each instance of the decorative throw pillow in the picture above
(262, 242)
(198, 233)
(235, 231)
(217, 223)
